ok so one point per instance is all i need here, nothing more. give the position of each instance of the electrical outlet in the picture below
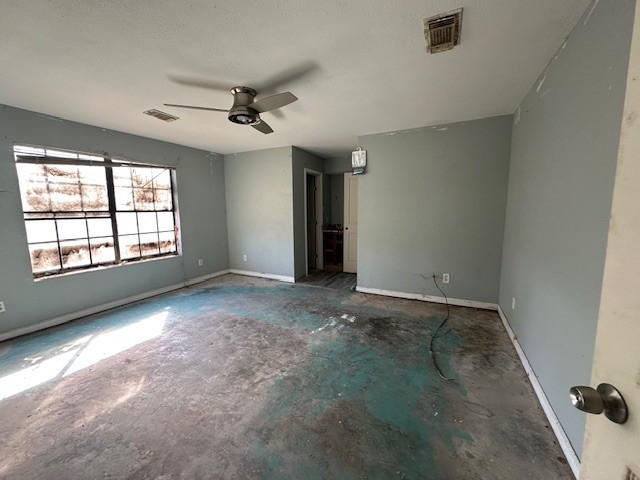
(445, 278)
(200, 262)
(2, 309)
(244, 258)
(513, 304)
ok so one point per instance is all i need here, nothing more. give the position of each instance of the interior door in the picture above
(311, 223)
(350, 255)
(612, 451)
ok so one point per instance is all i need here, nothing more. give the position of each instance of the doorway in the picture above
(313, 223)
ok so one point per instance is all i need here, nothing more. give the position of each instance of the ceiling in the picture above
(358, 67)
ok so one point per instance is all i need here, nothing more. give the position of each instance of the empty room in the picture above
(320, 240)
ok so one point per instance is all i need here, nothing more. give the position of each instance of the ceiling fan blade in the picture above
(274, 101)
(277, 81)
(261, 126)
(196, 108)
(201, 83)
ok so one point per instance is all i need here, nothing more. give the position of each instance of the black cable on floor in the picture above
(433, 355)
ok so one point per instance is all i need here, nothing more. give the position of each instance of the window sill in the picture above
(106, 267)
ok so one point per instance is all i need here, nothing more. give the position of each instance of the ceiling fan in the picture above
(246, 111)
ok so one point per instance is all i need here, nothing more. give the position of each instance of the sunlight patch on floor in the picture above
(83, 353)
(116, 341)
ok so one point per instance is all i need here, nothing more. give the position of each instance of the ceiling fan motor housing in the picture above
(239, 113)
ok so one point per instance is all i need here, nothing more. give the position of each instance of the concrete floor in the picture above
(249, 378)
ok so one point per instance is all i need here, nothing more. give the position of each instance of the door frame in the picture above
(347, 176)
(319, 249)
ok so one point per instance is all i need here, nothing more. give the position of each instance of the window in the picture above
(82, 211)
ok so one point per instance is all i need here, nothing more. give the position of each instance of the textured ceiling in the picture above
(104, 63)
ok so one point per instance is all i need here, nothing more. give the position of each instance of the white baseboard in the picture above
(105, 306)
(271, 276)
(563, 440)
(204, 278)
(429, 298)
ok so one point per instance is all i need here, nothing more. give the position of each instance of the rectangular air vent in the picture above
(167, 117)
(442, 32)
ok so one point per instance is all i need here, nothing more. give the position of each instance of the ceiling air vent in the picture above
(442, 32)
(164, 116)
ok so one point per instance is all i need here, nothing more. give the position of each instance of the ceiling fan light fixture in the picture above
(246, 111)
(244, 118)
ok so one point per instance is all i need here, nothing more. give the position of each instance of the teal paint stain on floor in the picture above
(376, 397)
(363, 383)
(24, 351)
(348, 375)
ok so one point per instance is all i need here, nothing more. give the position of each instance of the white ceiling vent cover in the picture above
(442, 32)
(160, 115)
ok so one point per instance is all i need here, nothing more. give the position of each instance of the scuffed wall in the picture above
(563, 160)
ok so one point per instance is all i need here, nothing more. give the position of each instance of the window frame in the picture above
(108, 163)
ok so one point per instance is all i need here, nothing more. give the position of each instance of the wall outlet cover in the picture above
(200, 262)
(244, 258)
(2, 309)
(513, 304)
(445, 278)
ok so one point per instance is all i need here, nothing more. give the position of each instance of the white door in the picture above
(612, 451)
(350, 240)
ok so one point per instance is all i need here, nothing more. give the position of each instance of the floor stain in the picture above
(249, 378)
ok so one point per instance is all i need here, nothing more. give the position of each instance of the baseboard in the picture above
(429, 298)
(105, 306)
(271, 276)
(563, 440)
(204, 278)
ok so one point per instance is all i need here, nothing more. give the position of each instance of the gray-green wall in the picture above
(564, 152)
(200, 186)
(260, 210)
(334, 168)
(337, 165)
(433, 200)
(301, 159)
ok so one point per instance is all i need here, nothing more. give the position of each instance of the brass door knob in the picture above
(606, 398)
